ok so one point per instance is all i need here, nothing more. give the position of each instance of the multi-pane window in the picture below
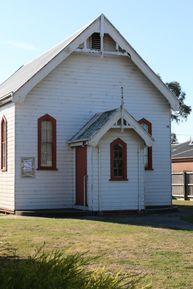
(118, 160)
(147, 150)
(4, 144)
(46, 142)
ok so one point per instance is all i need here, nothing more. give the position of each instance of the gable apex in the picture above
(28, 76)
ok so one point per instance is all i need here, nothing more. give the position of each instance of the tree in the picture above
(174, 139)
(184, 110)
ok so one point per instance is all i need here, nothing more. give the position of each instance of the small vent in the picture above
(119, 122)
(96, 41)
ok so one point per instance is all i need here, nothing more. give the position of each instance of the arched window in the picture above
(147, 150)
(118, 156)
(4, 144)
(46, 143)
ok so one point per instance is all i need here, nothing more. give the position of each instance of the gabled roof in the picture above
(183, 150)
(100, 123)
(29, 70)
(92, 126)
(18, 85)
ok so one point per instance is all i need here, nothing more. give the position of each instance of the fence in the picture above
(182, 185)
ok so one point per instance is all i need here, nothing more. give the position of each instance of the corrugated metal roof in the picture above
(92, 126)
(183, 150)
(27, 71)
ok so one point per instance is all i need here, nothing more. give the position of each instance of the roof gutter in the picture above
(78, 142)
(6, 99)
(182, 159)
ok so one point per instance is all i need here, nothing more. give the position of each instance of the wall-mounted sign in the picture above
(27, 166)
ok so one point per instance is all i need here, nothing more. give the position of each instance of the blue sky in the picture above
(160, 31)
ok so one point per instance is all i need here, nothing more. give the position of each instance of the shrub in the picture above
(57, 270)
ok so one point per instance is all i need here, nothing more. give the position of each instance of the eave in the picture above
(6, 99)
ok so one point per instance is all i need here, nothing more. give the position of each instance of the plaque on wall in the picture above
(27, 166)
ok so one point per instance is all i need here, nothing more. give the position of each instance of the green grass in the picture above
(165, 255)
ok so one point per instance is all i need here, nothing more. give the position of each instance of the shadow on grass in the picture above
(177, 219)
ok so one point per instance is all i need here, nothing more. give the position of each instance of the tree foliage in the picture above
(174, 139)
(184, 110)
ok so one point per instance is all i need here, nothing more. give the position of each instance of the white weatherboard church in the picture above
(87, 126)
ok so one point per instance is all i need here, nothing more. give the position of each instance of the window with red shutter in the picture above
(46, 143)
(118, 160)
(4, 144)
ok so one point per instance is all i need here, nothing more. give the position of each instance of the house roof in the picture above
(19, 84)
(27, 71)
(183, 150)
(100, 123)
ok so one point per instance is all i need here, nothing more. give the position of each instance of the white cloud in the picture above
(21, 45)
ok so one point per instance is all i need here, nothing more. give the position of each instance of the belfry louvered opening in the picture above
(96, 41)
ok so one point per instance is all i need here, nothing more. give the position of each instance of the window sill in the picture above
(149, 169)
(119, 180)
(4, 170)
(46, 169)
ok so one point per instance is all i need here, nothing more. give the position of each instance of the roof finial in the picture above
(122, 98)
(122, 109)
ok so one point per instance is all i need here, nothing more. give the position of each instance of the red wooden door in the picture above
(81, 176)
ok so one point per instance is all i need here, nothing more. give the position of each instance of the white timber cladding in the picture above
(7, 178)
(78, 88)
(119, 195)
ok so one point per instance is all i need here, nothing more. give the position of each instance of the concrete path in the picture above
(171, 220)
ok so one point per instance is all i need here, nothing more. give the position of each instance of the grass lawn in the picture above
(165, 254)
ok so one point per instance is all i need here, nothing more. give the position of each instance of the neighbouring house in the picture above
(182, 156)
(86, 125)
(182, 170)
